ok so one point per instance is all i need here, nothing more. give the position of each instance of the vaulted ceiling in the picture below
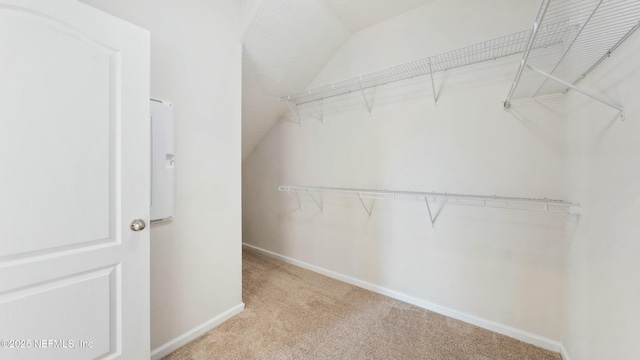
(288, 42)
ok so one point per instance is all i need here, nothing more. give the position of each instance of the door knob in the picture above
(137, 225)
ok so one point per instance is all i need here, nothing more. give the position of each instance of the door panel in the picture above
(49, 171)
(74, 146)
(85, 297)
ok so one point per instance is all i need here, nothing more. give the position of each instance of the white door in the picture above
(74, 174)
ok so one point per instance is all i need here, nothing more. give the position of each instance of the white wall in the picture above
(501, 266)
(196, 64)
(603, 290)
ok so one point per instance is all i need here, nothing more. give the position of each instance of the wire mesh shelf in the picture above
(504, 46)
(597, 28)
(502, 202)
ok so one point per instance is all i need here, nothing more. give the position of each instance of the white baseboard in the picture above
(564, 353)
(180, 341)
(512, 332)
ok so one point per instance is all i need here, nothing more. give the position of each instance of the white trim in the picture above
(512, 332)
(180, 341)
(564, 353)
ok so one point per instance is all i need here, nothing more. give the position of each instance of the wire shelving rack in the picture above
(597, 28)
(569, 39)
(493, 49)
(429, 198)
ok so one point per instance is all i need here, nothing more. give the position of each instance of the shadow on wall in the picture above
(539, 117)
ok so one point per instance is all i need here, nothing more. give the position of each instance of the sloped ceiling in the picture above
(287, 43)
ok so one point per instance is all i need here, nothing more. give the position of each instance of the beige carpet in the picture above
(292, 313)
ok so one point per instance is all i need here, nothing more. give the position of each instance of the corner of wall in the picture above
(564, 353)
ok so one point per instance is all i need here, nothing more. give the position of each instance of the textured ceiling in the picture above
(287, 43)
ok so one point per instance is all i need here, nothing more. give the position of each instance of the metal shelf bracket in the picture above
(297, 200)
(315, 201)
(620, 108)
(319, 111)
(369, 210)
(433, 84)
(294, 110)
(431, 217)
(368, 103)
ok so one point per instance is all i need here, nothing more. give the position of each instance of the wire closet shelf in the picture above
(504, 46)
(596, 29)
(502, 202)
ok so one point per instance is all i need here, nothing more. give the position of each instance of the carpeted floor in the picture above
(292, 313)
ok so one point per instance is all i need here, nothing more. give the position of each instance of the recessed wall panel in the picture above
(63, 185)
(70, 318)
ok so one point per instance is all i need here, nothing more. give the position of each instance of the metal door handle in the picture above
(137, 225)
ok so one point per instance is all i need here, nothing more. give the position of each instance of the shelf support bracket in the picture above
(433, 84)
(431, 217)
(297, 200)
(319, 111)
(369, 211)
(314, 200)
(294, 111)
(367, 103)
(582, 91)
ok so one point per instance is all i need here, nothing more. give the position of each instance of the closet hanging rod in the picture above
(503, 202)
